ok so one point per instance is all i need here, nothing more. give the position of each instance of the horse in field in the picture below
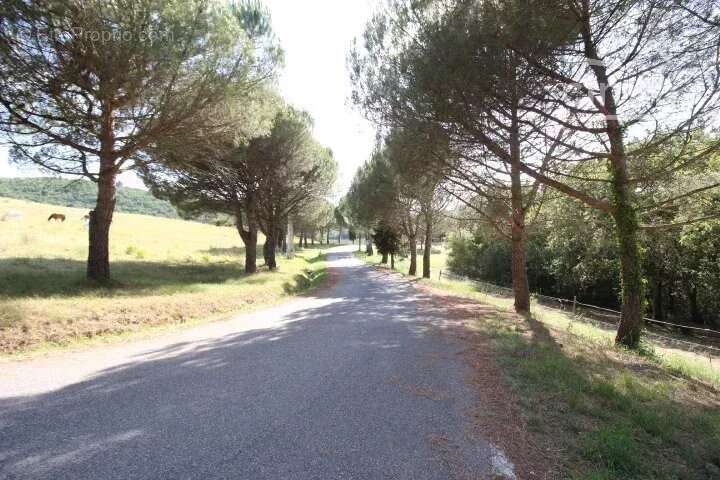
(57, 216)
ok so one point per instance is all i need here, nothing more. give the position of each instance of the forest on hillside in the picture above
(83, 194)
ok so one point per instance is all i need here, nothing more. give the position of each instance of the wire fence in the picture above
(699, 340)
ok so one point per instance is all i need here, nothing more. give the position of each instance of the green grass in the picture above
(165, 271)
(603, 412)
(438, 260)
(612, 414)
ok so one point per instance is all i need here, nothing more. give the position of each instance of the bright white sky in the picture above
(316, 36)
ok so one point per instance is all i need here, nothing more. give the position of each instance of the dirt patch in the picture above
(497, 415)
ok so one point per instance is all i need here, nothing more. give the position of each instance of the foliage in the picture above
(82, 194)
(386, 240)
(89, 86)
(261, 181)
(481, 72)
(572, 251)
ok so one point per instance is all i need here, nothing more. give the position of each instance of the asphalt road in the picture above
(354, 382)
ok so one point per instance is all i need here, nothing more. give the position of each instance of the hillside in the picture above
(165, 271)
(82, 194)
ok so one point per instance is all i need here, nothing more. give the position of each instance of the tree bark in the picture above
(413, 256)
(269, 252)
(98, 264)
(384, 259)
(249, 238)
(251, 252)
(392, 261)
(521, 289)
(266, 250)
(428, 246)
(631, 319)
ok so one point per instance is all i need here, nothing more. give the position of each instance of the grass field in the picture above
(604, 412)
(438, 260)
(166, 272)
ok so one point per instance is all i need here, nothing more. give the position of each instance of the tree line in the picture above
(82, 194)
(181, 92)
(518, 106)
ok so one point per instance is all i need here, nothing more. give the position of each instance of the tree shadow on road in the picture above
(177, 411)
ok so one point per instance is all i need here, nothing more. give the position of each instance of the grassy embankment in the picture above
(166, 271)
(605, 412)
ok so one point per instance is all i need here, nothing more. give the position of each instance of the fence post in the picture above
(574, 303)
(440, 275)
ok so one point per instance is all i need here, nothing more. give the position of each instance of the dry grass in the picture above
(599, 411)
(675, 356)
(166, 272)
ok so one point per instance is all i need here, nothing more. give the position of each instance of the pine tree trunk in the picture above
(413, 256)
(269, 252)
(249, 238)
(626, 225)
(251, 252)
(428, 247)
(98, 263)
(521, 289)
(266, 250)
(631, 319)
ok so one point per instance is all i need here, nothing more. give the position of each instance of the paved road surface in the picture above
(352, 383)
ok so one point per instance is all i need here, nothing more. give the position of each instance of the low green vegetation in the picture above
(604, 411)
(165, 272)
(438, 261)
(82, 194)
(611, 413)
(569, 258)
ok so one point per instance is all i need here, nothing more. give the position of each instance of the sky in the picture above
(315, 36)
